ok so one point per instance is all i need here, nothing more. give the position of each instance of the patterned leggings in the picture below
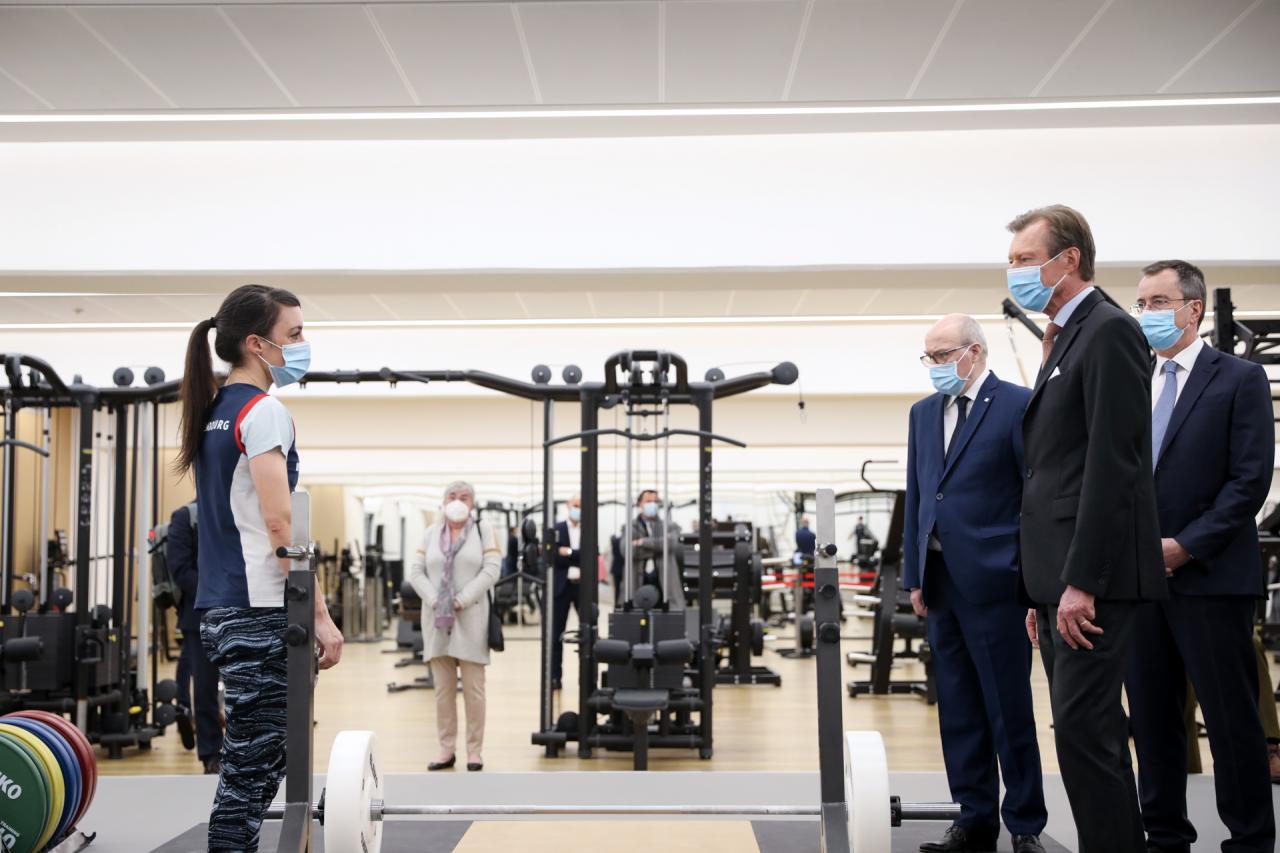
(247, 645)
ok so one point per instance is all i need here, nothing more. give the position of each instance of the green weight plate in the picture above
(67, 764)
(55, 786)
(24, 798)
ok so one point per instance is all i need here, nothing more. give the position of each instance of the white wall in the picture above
(819, 199)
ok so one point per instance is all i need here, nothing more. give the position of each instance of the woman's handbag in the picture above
(496, 641)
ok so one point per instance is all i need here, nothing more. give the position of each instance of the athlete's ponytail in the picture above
(248, 310)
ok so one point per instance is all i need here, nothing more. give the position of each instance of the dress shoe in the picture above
(1027, 844)
(475, 766)
(960, 840)
(1273, 757)
(443, 765)
(212, 766)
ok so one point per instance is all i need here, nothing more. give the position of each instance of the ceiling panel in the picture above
(459, 54)
(334, 306)
(13, 98)
(764, 303)
(548, 305)
(917, 300)
(14, 310)
(1003, 48)
(1155, 37)
(48, 50)
(689, 302)
(326, 55)
(624, 304)
(488, 306)
(842, 302)
(1243, 61)
(594, 53)
(418, 306)
(865, 51)
(189, 52)
(730, 51)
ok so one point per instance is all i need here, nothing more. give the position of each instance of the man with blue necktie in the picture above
(1213, 446)
(960, 563)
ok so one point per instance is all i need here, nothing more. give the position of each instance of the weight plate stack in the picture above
(24, 797)
(68, 765)
(52, 775)
(353, 782)
(86, 766)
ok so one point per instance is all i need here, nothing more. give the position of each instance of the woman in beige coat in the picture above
(453, 571)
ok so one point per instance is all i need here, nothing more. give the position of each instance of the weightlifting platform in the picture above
(625, 836)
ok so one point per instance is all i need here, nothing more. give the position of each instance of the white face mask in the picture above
(456, 511)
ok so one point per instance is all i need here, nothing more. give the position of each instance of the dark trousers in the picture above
(198, 691)
(1090, 728)
(247, 645)
(982, 665)
(565, 598)
(1210, 639)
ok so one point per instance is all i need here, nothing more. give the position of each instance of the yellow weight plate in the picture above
(52, 772)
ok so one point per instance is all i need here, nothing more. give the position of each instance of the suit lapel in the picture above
(961, 439)
(1065, 338)
(1205, 367)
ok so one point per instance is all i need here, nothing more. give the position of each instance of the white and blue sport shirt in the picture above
(238, 566)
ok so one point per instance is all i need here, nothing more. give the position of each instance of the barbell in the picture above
(352, 808)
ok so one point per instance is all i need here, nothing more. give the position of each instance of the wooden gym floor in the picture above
(756, 728)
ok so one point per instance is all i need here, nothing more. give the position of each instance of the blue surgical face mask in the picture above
(1027, 288)
(297, 358)
(1161, 328)
(947, 379)
(575, 513)
(650, 509)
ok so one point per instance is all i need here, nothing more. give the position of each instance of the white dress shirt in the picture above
(951, 412)
(1064, 313)
(1186, 361)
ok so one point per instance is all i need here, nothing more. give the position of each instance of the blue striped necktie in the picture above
(1164, 409)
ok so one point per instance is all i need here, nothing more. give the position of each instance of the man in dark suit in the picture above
(567, 581)
(960, 562)
(1090, 537)
(806, 539)
(1213, 437)
(648, 532)
(180, 551)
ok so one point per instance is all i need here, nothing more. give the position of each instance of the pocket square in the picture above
(1056, 373)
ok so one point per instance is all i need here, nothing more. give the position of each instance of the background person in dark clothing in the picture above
(193, 665)
(806, 539)
(566, 579)
(1090, 538)
(1213, 437)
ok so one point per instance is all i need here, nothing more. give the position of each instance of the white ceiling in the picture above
(356, 297)
(92, 56)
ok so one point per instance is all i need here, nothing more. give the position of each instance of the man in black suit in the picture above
(1213, 438)
(180, 551)
(567, 581)
(806, 539)
(1090, 539)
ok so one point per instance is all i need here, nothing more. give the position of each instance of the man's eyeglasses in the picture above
(940, 357)
(1157, 304)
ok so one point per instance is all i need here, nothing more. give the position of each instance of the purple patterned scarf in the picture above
(444, 602)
